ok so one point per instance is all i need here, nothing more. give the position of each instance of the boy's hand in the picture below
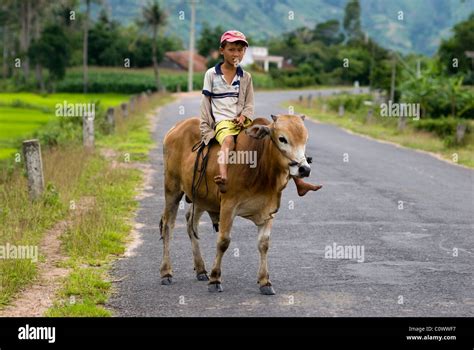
(240, 120)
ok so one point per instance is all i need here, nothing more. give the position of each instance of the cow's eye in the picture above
(282, 139)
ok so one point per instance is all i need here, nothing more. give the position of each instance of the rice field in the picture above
(21, 114)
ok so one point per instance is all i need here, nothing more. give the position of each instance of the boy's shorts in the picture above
(227, 127)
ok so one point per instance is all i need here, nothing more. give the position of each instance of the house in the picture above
(179, 60)
(259, 55)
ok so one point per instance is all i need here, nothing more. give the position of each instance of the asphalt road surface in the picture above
(411, 213)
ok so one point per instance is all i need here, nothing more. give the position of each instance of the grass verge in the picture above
(386, 129)
(96, 234)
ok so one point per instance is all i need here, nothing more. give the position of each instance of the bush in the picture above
(445, 128)
(292, 78)
(351, 103)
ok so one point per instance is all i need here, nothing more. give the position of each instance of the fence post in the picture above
(88, 131)
(369, 118)
(34, 167)
(124, 108)
(460, 132)
(132, 104)
(310, 101)
(341, 110)
(402, 122)
(111, 117)
(148, 92)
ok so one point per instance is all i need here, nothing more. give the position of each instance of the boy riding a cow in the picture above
(250, 191)
(227, 104)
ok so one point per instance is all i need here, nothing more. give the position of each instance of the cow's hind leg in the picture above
(199, 266)
(173, 195)
(263, 245)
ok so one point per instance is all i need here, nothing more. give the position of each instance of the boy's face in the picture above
(233, 52)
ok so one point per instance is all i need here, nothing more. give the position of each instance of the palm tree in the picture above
(154, 17)
(85, 43)
(4, 24)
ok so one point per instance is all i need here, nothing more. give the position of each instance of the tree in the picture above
(25, 16)
(85, 41)
(209, 39)
(85, 44)
(39, 7)
(106, 46)
(352, 26)
(51, 51)
(154, 18)
(328, 32)
(456, 47)
(5, 26)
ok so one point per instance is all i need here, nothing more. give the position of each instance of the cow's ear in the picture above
(258, 131)
(274, 117)
(302, 116)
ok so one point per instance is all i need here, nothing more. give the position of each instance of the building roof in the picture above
(181, 58)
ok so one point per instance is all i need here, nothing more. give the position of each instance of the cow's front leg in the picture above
(223, 241)
(263, 244)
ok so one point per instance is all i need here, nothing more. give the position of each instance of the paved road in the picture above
(408, 268)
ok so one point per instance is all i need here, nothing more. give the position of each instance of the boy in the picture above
(227, 104)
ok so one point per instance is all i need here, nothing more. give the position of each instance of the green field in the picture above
(21, 114)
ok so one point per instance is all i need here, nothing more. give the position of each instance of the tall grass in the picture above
(414, 136)
(95, 233)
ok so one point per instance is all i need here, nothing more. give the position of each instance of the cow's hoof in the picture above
(215, 288)
(166, 281)
(202, 277)
(267, 290)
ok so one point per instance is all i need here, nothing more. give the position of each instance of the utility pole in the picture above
(191, 46)
(392, 83)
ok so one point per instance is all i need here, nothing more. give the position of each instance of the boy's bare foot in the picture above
(221, 183)
(303, 187)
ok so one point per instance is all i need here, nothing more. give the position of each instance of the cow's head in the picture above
(289, 135)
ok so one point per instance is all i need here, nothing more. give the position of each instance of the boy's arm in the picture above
(248, 109)
(206, 116)
(207, 130)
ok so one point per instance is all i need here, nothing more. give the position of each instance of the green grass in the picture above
(17, 124)
(99, 235)
(386, 129)
(23, 222)
(129, 80)
(49, 101)
(22, 114)
(96, 235)
(83, 295)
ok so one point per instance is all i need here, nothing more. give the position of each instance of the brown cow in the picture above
(253, 193)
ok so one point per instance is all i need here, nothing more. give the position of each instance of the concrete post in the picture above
(88, 131)
(34, 168)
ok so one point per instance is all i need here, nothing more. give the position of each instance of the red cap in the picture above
(232, 36)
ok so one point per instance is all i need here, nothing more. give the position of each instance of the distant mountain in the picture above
(424, 22)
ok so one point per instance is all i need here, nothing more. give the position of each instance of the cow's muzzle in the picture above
(304, 171)
(301, 169)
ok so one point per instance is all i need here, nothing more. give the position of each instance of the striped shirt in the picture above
(224, 97)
